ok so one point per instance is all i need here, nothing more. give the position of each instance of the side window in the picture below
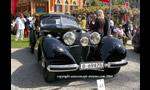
(69, 21)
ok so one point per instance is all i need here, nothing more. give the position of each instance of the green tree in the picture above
(97, 3)
(89, 4)
(133, 3)
(118, 12)
(94, 3)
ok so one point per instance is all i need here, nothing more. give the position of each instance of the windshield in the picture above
(50, 21)
(69, 21)
(56, 20)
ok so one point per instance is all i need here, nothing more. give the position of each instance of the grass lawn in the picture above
(19, 43)
(128, 45)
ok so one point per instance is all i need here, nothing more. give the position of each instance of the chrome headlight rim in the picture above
(83, 43)
(68, 36)
(93, 36)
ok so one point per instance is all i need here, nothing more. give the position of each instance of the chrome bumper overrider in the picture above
(74, 67)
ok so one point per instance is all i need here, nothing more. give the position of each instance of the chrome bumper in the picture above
(116, 64)
(74, 67)
(62, 68)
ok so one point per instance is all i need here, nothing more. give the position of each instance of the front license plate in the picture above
(91, 65)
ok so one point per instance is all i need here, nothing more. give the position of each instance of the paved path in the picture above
(26, 74)
(129, 42)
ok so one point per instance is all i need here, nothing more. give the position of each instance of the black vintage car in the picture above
(63, 46)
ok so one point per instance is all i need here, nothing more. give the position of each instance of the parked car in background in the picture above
(136, 41)
(63, 46)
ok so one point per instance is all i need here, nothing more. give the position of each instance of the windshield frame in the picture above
(41, 24)
(61, 21)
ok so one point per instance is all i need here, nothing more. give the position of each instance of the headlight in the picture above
(69, 38)
(84, 41)
(95, 38)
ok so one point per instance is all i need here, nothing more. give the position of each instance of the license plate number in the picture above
(91, 65)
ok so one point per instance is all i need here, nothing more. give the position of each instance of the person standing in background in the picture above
(134, 30)
(30, 18)
(111, 25)
(83, 22)
(115, 31)
(103, 23)
(87, 20)
(130, 29)
(12, 26)
(131, 25)
(37, 23)
(120, 34)
(32, 23)
(127, 29)
(20, 21)
(27, 26)
(94, 24)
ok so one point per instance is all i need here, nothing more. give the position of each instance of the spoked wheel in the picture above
(48, 76)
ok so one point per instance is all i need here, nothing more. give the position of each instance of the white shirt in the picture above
(115, 29)
(111, 23)
(32, 22)
(119, 30)
(20, 23)
(30, 18)
(131, 26)
(13, 24)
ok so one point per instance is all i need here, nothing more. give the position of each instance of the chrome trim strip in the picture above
(80, 45)
(117, 64)
(63, 66)
(73, 46)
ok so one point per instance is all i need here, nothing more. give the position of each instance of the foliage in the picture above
(118, 12)
(94, 3)
(13, 17)
(88, 4)
(135, 16)
(40, 13)
(132, 3)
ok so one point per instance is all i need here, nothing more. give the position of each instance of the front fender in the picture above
(55, 52)
(112, 49)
